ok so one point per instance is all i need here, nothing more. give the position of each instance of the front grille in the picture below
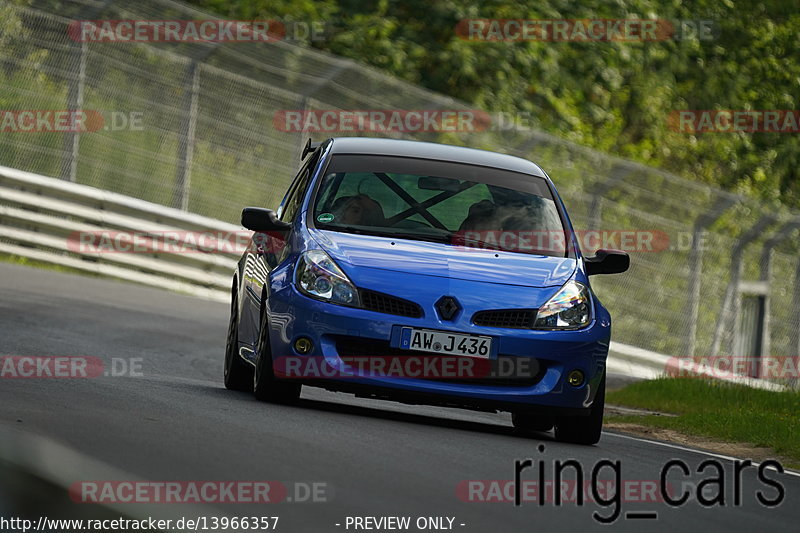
(505, 371)
(505, 318)
(391, 305)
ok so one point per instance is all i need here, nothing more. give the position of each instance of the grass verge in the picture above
(26, 261)
(717, 410)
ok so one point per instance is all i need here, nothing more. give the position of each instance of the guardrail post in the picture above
(191, 96)
(183, 171)
(618, 172)
(701, 224)
(75, 87)
(76, 83)
(731, 299)
(766, 276)
(795, 331)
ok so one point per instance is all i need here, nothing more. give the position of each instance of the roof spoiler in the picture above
(309, 148)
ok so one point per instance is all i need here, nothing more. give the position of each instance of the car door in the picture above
(266, 250)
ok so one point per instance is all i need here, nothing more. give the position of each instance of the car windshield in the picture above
(453, 203)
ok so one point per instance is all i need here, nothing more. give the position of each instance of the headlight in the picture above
(319, 277)
(570, 308)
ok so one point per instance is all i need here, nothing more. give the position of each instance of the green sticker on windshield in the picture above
(325, 218)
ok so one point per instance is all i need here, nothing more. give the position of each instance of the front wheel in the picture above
(265, 387)
(237, 373)
(584, 429)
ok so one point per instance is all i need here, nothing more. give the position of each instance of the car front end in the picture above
(530, 366)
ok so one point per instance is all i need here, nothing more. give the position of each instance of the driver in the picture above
(358, 210)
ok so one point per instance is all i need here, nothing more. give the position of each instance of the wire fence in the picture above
(193, 125)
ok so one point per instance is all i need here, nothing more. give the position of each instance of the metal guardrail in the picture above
(40, 217)
(644, 364)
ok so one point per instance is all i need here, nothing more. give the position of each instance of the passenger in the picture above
(482, 217)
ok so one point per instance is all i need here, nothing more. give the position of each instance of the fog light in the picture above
(575, 378)
(303, 345)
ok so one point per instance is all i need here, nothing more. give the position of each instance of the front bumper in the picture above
(334, 330)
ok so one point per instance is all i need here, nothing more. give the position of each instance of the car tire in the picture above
(238, 374)
(264, 384)
(584, 429)
(526, 422)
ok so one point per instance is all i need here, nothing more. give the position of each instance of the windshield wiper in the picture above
(443, 238)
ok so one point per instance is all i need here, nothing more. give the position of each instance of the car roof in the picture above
(434, 151)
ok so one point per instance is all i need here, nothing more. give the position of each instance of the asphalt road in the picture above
(176, 421)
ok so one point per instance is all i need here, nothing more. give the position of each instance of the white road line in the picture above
(693, 450)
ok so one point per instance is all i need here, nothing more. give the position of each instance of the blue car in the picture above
(426, 274)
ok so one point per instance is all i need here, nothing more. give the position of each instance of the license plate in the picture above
(427, 340)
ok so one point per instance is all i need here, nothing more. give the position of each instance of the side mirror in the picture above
(607, 262)
(260, 219)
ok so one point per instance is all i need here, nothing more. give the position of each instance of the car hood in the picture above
(444, 260)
